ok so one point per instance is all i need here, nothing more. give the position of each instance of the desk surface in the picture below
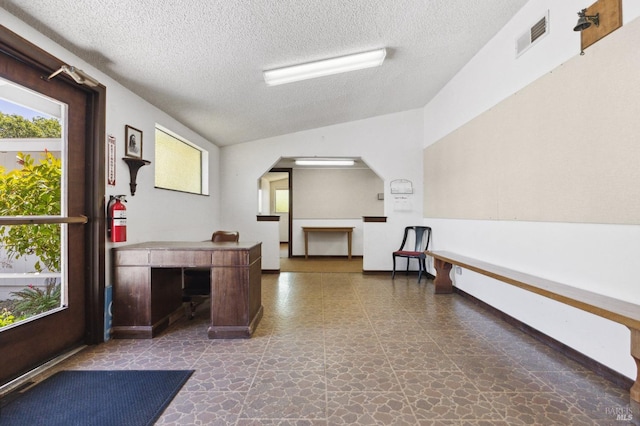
(328, 228)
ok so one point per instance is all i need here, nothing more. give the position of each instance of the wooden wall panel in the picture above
(610, 16)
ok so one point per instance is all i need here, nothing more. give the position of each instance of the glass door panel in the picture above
(32, 184)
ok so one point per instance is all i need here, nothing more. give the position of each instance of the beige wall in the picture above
(336, 193)
(563, 149)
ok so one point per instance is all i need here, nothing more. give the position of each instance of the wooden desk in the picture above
(344, 229)
(148, 278)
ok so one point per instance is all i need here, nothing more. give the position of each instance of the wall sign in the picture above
(111, 160)
(401, 186)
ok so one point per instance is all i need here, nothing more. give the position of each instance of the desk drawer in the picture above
(231, 258)
(131, 257)
(186, 258)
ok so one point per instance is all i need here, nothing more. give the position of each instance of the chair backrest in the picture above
(221, 236)
(422, 236)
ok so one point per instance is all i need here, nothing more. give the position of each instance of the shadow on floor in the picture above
(321, 264)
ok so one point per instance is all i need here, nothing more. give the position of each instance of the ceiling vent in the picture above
(532, 35)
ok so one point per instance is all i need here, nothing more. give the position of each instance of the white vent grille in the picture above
(532, 35)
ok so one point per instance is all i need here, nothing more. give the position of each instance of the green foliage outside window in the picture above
(6, 317)
(33, 300)
(30, 191)
(16, 126)
(33, 189)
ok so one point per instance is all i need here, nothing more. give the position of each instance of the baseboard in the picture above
(425, 275)
(601, 370)
(320, 256)
(271, 271)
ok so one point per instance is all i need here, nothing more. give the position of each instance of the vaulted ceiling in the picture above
(201, 61)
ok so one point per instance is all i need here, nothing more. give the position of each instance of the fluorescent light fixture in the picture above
(325, 67)
(325, 162)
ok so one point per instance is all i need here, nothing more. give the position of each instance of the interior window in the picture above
(179, 164)
(281, 200)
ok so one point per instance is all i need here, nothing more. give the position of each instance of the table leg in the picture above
(349, 244)
(306, 244)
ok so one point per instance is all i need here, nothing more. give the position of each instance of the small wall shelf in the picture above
(134, 165)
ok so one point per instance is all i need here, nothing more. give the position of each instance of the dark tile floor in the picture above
(347, 348)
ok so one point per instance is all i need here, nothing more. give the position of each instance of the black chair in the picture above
(421, 237)
(197, 282)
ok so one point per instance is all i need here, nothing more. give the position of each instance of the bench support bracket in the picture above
(442, 282)
(634, 392)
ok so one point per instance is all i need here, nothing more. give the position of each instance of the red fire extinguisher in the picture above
(117, 219)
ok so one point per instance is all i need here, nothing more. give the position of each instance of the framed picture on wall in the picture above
(133, 142)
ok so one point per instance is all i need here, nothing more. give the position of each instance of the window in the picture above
(32, 183)
(282, 200)
(179, 164)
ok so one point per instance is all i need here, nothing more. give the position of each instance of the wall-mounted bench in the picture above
(622, 312)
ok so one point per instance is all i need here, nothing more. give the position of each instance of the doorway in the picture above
(323, 195)
(75, 216)
(277, 199)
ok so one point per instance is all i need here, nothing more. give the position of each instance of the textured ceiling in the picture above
(202, 61)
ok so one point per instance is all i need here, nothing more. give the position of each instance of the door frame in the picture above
(30, 54)
(289, 172)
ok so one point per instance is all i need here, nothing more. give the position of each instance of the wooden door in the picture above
(77, 320)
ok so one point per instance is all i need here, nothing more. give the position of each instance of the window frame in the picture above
(275, 200)
(204, 162)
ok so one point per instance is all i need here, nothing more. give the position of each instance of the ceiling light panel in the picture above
(325, 67)
(319, 162)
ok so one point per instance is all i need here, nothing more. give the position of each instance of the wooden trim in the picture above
(267, 218)
(28, 53)
(374, 219)
(33, 220)
(601, 370)
(289, 172)
(634, 392)
(622, 312)
(610, 17)
(372, 272)
(427, 275)
(96, 253)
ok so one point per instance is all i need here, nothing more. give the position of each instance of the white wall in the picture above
(596, 257)
(391, 145)
(152, 214)
(495, 73)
